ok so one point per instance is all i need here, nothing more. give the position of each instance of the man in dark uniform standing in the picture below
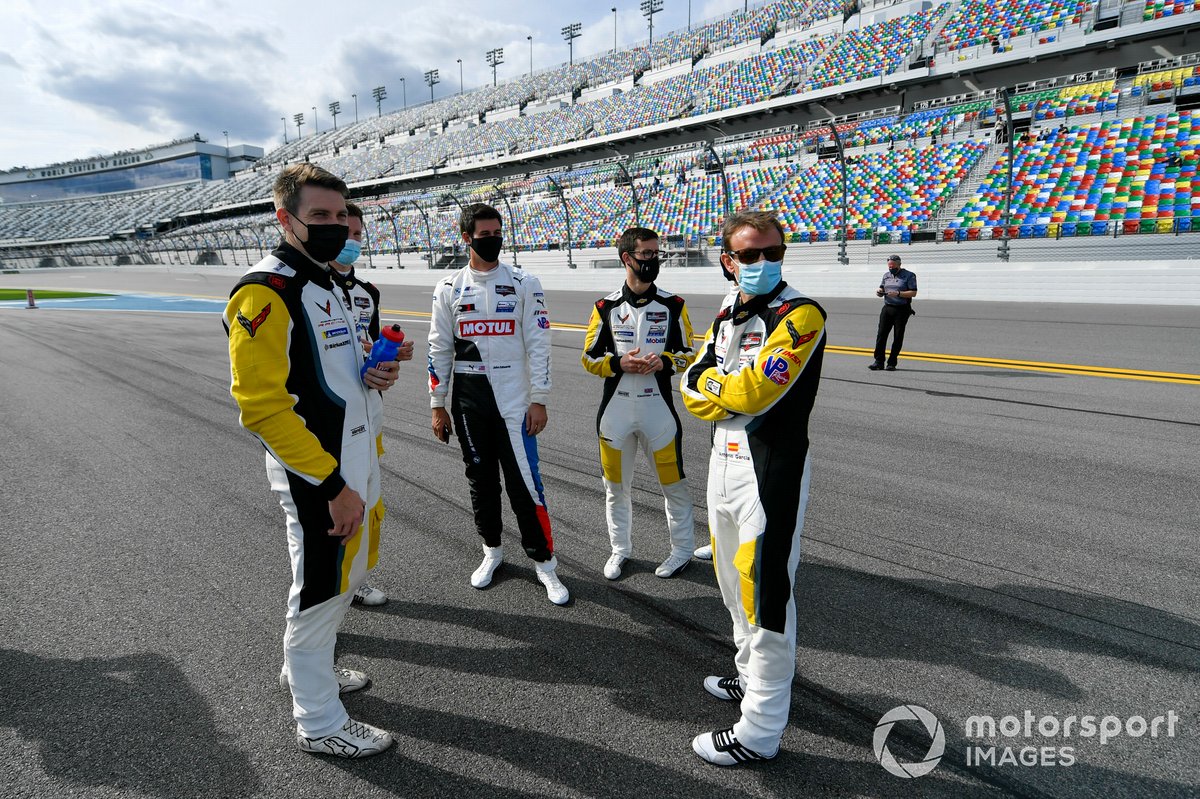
(897, 288)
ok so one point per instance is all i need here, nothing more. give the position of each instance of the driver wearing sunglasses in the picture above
(756, 379)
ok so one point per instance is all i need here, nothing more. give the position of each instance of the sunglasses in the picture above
(750, 255)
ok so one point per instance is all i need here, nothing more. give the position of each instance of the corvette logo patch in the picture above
(252, 325)
(797, 338)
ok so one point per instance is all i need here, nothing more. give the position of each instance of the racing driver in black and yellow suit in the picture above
(295, 361)
(756, 379)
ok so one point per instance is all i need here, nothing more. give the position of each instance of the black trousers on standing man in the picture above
(892, 317)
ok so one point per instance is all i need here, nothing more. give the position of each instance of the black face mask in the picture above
(325, 242)
(647, 270)
(893, 269)
(488, 248)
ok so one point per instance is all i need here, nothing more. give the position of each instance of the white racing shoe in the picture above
(492, 558)
(703, 553)
(721, 748)
(371, 597)
(673, 565)
(556, 592)
(725, 688)
(612, 569)
(353, 740)
(349, 680)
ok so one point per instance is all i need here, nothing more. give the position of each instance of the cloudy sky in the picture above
(91, 77)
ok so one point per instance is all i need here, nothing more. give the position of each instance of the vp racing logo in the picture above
(936, 747)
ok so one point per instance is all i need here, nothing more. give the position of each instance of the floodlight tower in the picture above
(299, 120)
(649, 9)
(431, 78)
(495, 58)
(335, 108)
(380, 94)
(571, 33)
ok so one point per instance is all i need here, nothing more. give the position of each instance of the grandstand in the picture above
(767, 108)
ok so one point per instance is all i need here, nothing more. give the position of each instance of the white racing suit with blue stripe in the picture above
(491, 331)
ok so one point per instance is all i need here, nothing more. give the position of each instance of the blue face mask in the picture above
(349, 253)
(759, 277)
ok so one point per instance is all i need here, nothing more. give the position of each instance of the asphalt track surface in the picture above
(979, 540)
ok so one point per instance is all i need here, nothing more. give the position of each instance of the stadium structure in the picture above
(975, 132)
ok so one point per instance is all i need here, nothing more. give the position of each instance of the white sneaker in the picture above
(673, 565)
(612, 569)
(349, 680)
(366, 595)
(354, 740)
(721, 748)
(703, 553)
(556, 592)
(492, 558)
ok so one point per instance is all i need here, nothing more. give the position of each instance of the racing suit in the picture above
(491, 331)
(295, 367)
(362, 300)
(638, 409)
(756, 379)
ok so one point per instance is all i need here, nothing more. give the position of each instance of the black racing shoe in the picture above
(721, 748)
(875, 366)
(891, 367)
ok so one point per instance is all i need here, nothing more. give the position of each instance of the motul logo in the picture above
(487, 327)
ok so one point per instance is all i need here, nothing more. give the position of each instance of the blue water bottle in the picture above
(385, 349)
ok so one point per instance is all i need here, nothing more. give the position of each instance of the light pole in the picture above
(284, 121)
(404, 91)
(1008, 189)
(335, 108)
(299, 119)
(530, 40)
(355, 96)
(614, 10)
(495, 58)
(431, 77)
(380, 94)
(689, 16)
(226, 139)
(316, 123)
(460, 78)
(571, 33)
(843, 258)
(649, 9)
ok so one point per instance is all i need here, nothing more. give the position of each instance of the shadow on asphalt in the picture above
(597, 769)
(131, 723)
(656, 676)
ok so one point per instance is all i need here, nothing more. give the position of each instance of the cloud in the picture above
(189, 102)
(8, 61)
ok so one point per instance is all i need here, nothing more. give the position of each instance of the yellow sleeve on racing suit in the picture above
(259, 338)
(754, 388)
(682, 357)
(598, 353)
